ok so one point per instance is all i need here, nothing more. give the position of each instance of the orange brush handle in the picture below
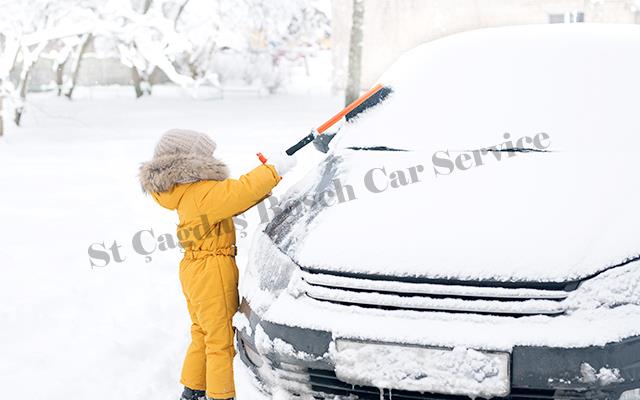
(348, 109)
(329, 123)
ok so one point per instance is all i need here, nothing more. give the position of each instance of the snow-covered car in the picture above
(474, 233)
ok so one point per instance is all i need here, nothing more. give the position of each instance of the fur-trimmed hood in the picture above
(162, 173)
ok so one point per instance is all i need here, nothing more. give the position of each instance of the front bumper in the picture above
(537, 372)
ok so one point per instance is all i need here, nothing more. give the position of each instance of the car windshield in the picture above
(301, 207)
(460, 129)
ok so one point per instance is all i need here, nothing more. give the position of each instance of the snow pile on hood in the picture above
(534, 217)
(611, 289)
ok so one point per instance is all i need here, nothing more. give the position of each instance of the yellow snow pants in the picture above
(210, 284)
(208, 271)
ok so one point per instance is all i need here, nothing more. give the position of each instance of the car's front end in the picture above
(575, 340)
(420, 260)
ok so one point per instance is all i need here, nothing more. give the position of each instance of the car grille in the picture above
(323, 384)
(293, 378)
(326, 385)
(454, 298)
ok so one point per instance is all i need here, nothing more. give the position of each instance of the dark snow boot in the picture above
(190, 394)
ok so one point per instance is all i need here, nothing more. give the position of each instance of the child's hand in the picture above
(283, 163)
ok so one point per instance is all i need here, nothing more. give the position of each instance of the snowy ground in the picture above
(68, 177)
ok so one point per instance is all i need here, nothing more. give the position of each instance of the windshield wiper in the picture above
(375, 148)
(516, 150)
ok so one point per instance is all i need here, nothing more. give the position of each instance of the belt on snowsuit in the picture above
(231, 251)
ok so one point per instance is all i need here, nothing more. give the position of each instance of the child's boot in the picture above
(190, 394)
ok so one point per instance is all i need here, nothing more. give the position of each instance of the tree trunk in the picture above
(29, 59)
(60, 76)
(24, 83)
(137, 81)
(307, 71)
(76, 67)
(355, 53)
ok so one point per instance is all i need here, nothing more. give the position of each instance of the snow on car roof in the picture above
(577, 82)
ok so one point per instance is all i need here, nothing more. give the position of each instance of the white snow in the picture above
(69, 179)
(575, 82)
(120, 331)
(270, 278)
(266, 345)
(457, 371)
(602, 310)
(612, 288)
(594, 317)
(420, 302)
(536, 217)
(287, 376)
(603, 376)
(561, 215)
(429, 288)
(579, 329)
(247, 386)
(556, 216)
(631, 395)
(241, 323)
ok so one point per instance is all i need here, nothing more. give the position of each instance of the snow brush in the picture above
(329, 123)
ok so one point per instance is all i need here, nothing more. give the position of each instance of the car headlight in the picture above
(616, 287)
(268, 273)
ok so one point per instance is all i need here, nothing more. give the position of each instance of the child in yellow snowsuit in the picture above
(184, 176)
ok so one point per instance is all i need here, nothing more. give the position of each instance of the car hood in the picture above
(553, 216)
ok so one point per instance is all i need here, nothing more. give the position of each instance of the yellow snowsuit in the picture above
(208, 272)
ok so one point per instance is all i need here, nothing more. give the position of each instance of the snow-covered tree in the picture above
(248, 40)
(9, 48)
(28, 29)
(144, 38)
(281, 33)
(192, 42)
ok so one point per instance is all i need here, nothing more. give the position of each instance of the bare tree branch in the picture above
(179, 13)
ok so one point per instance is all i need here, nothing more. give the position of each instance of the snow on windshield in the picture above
(555, 215)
